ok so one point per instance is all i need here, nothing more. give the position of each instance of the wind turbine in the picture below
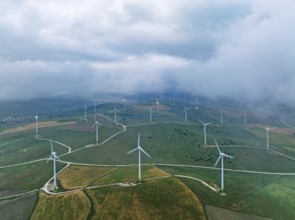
(53, 157)
(173, 100)
(185, 113)
(36, 118)
(115, 111)
(96, 124)
(196, 105)
(94, 105)
(151, 114)
(139, 156)
(204, 131)
(221, 116)
(245, 117)
(85, 113)
(124, 103)
(157, 103)
(267, 136)
(221, 156)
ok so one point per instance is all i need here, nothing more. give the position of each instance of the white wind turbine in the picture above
(85, 113)
(221, 156)
(124, 103)
(53, 157)
(245, 117)
(96, 124)
(151, 114)
(37, 128)
(94, 105)
(185, 113)
(196, 104)
(115, 112)
(139, 156)
(157, 103)
(205, 132)
(267, 136)
(221, 116)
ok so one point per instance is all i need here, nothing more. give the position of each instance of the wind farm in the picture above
(147, 110)
(85, 165)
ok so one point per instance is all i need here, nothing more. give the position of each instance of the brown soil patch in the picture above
(287, 131)
(155, 107)
(40, 125)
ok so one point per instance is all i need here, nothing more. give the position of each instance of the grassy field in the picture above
(215, 213)
(182, 144)
(156, 199)
(20, 148)
(85, 176)
(169, 141)
(164, 198)
(269, 196)
(25, 178)
(73, 205)
(17, 208)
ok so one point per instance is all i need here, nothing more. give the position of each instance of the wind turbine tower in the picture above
(185, 113)
(221, 116)
(139, 149)
(53, 157)
(151, 114)
(96, 124)
(205, 132)
(221, 156)
(94, 105)
(115, 112)
(37, 128)
(157, 103)
(85, 112)
(245, 117)
(124, 103)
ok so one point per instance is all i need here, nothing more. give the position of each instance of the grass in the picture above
(264, 195)
(23, 147)
(73, 205)
(153, 199)
(215, 213)
(269, 196)
(18, 208)
(25, 178)
(156, 199)
(85, 176)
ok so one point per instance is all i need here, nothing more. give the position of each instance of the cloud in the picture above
(241, 50)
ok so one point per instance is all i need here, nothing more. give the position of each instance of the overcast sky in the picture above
(237, 49)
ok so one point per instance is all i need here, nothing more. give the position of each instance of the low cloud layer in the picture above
(234, 49)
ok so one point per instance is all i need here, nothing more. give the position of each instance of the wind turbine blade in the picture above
(131, 151)
(143, 151)
(217, 161)
(209, 123)
(56, 157)
(201, 121)
(51, 146)
(217, 146)
(49, 158)
(230, 157)
(93, 124)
